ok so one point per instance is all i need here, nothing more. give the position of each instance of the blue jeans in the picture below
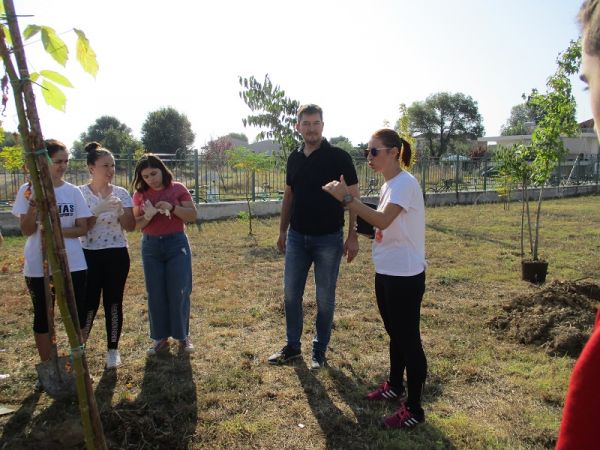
(167, 263)
(301, 251)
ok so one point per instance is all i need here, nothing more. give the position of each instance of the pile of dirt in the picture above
(559, 317)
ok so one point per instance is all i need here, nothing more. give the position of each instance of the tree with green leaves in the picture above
(532, 165)
(522, 118)
(273, 111)
(112, 134)
(403, 129)
(443, 118)
(242, 158)
(167, 131)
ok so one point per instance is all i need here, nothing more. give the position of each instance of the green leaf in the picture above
(85, 55)
(56, 77)
(54, 45)
(53, 95)
(7, 35)
(31, 31)
(34, 76)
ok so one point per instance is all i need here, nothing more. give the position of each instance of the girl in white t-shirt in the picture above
(73, 213)
(399, 259)
(105, 245)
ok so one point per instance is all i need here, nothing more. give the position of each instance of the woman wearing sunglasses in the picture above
(399, 259)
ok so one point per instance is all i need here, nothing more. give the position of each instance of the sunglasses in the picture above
(374, 151)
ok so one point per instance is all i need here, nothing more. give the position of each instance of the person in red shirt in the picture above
(581, 420)
(161, 208)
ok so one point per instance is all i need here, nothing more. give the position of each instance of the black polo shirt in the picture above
(314, 211)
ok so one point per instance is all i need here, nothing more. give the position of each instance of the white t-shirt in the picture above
(71, 206)
(399, 250)
(107, 232)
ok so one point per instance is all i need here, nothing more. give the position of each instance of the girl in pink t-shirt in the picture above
(161, 208)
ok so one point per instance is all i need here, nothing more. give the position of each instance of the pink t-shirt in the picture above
(160, 223)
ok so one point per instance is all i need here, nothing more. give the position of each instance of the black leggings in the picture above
(36, 291)
(399, 302)
(107, 273)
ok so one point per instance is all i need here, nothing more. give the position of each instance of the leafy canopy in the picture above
(112, 134)
(444, 117)
(168, 131)
(274, 111)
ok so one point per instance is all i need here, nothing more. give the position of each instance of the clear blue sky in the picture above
(358, 59)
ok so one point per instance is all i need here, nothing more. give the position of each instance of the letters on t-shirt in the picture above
(66, 209)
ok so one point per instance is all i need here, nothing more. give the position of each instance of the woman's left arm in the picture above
(80, 228)
(186, 211)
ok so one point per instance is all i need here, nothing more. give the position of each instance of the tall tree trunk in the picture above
(30, 130)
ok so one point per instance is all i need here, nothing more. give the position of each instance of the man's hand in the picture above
(351, 246)
(281, 242)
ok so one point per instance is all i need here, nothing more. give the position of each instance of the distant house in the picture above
(585, 145)
(267, 147)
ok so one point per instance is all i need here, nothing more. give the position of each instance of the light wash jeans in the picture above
(167, 263)
(325, 252)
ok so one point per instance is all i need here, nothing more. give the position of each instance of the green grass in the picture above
(482, 392)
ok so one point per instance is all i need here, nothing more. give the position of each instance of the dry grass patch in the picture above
(482, 392)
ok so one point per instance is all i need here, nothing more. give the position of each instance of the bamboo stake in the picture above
(30, 130)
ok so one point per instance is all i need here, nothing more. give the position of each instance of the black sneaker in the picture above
(285, 355)
(318, 360)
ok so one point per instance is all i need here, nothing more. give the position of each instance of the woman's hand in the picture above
(107, 204)
(149, 210)
(165, 208)
(337, 188)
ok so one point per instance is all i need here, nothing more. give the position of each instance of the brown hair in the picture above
(310, 108)
(150, 161)
(589, 19)
(53, 146)
(94, 151)
(390, 139)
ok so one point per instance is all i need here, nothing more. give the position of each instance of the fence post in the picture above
(253, 186)
(423, 172)
(196, 175)
(456, 175)
(129, 161)
(484, 175)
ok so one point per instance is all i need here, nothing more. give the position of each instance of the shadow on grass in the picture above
(163, 415)
(459, 232)
(363, 428)
(17, 424)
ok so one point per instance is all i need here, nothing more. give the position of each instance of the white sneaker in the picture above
(186, 345)
(113, 359)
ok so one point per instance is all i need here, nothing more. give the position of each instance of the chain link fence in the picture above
(211, 180)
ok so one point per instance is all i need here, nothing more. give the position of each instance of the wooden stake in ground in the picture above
(37, 160)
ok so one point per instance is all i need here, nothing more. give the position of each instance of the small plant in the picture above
(250, 162)
(533, 164)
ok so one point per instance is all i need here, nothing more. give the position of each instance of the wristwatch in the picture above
(347, 199)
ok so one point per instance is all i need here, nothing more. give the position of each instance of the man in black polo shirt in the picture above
(315, 220)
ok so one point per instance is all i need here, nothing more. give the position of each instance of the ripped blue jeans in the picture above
(167, 263)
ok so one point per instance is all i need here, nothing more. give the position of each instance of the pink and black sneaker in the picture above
(403, 418)
(386, 392)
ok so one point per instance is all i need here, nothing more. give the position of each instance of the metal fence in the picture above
(215, 181)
